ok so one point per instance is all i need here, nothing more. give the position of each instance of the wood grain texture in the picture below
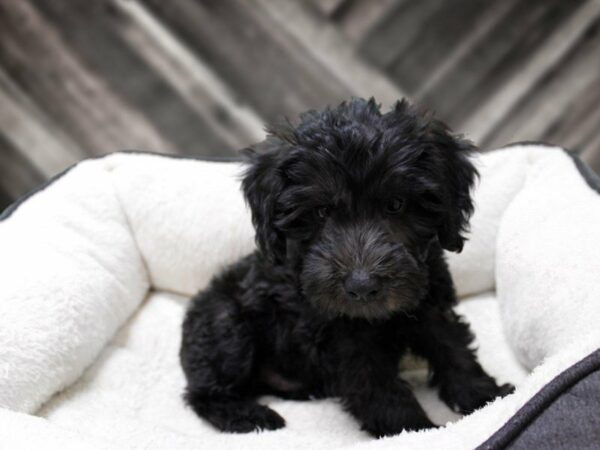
(201, 77)
(94, 33)
(359, 17)
(253, 54)
(570, 85)
(43, 64)
(18, 176)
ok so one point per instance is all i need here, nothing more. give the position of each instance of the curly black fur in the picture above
(352, 209)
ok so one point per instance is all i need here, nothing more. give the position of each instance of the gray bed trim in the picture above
(526, 143)
(590, 177)
(10, 209)
(556, 417)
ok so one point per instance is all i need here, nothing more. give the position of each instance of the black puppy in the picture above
(352, 209)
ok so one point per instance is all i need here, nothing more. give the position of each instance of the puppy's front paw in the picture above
(468, 394)
(392, 424)
(259, 418)
(239, 417)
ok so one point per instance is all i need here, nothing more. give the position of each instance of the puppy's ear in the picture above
(444, 157)
(262, 184)
(460, 175)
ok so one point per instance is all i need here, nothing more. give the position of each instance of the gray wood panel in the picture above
(93, 31)
(18, 174)
(74, 96)
(200, 77)
(251, 52)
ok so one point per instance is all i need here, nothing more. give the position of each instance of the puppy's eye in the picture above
(395, 205)
(323, 212)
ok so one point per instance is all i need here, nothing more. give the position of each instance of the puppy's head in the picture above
(354, 199)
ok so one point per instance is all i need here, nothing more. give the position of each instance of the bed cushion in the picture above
(98, 265)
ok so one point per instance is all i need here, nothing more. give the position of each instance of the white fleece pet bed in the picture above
(97, 267)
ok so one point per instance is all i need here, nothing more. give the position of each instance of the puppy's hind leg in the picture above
(235, 415)
(218, 359)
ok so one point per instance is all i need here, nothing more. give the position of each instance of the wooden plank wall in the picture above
(199, 77)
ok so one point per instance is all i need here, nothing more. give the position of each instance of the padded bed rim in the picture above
(544, 400)
(10, 209)
(509, 435)
(591, 178)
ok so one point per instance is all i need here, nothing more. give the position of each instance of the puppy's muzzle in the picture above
(361, 286)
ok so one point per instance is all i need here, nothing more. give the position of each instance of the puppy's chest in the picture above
(294, 342)
(299, 337)
(304, 345)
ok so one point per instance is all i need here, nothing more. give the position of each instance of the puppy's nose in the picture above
(359, 285)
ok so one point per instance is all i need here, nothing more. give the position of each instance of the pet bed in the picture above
(97, 266)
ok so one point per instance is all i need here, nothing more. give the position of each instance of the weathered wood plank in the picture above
(359, 17)
(482, 122)
(542, 113)
(439, 34)
(329, 7)
(17, 175)
(591, 152)
(194, 81)
(394, 33)
(331, 50)
(40, 63)
(32, 133)
(94, 32)
(485, 23)
(262, 63)
(578, 127)
(496, 56)
(5, 199)
(185, 76)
